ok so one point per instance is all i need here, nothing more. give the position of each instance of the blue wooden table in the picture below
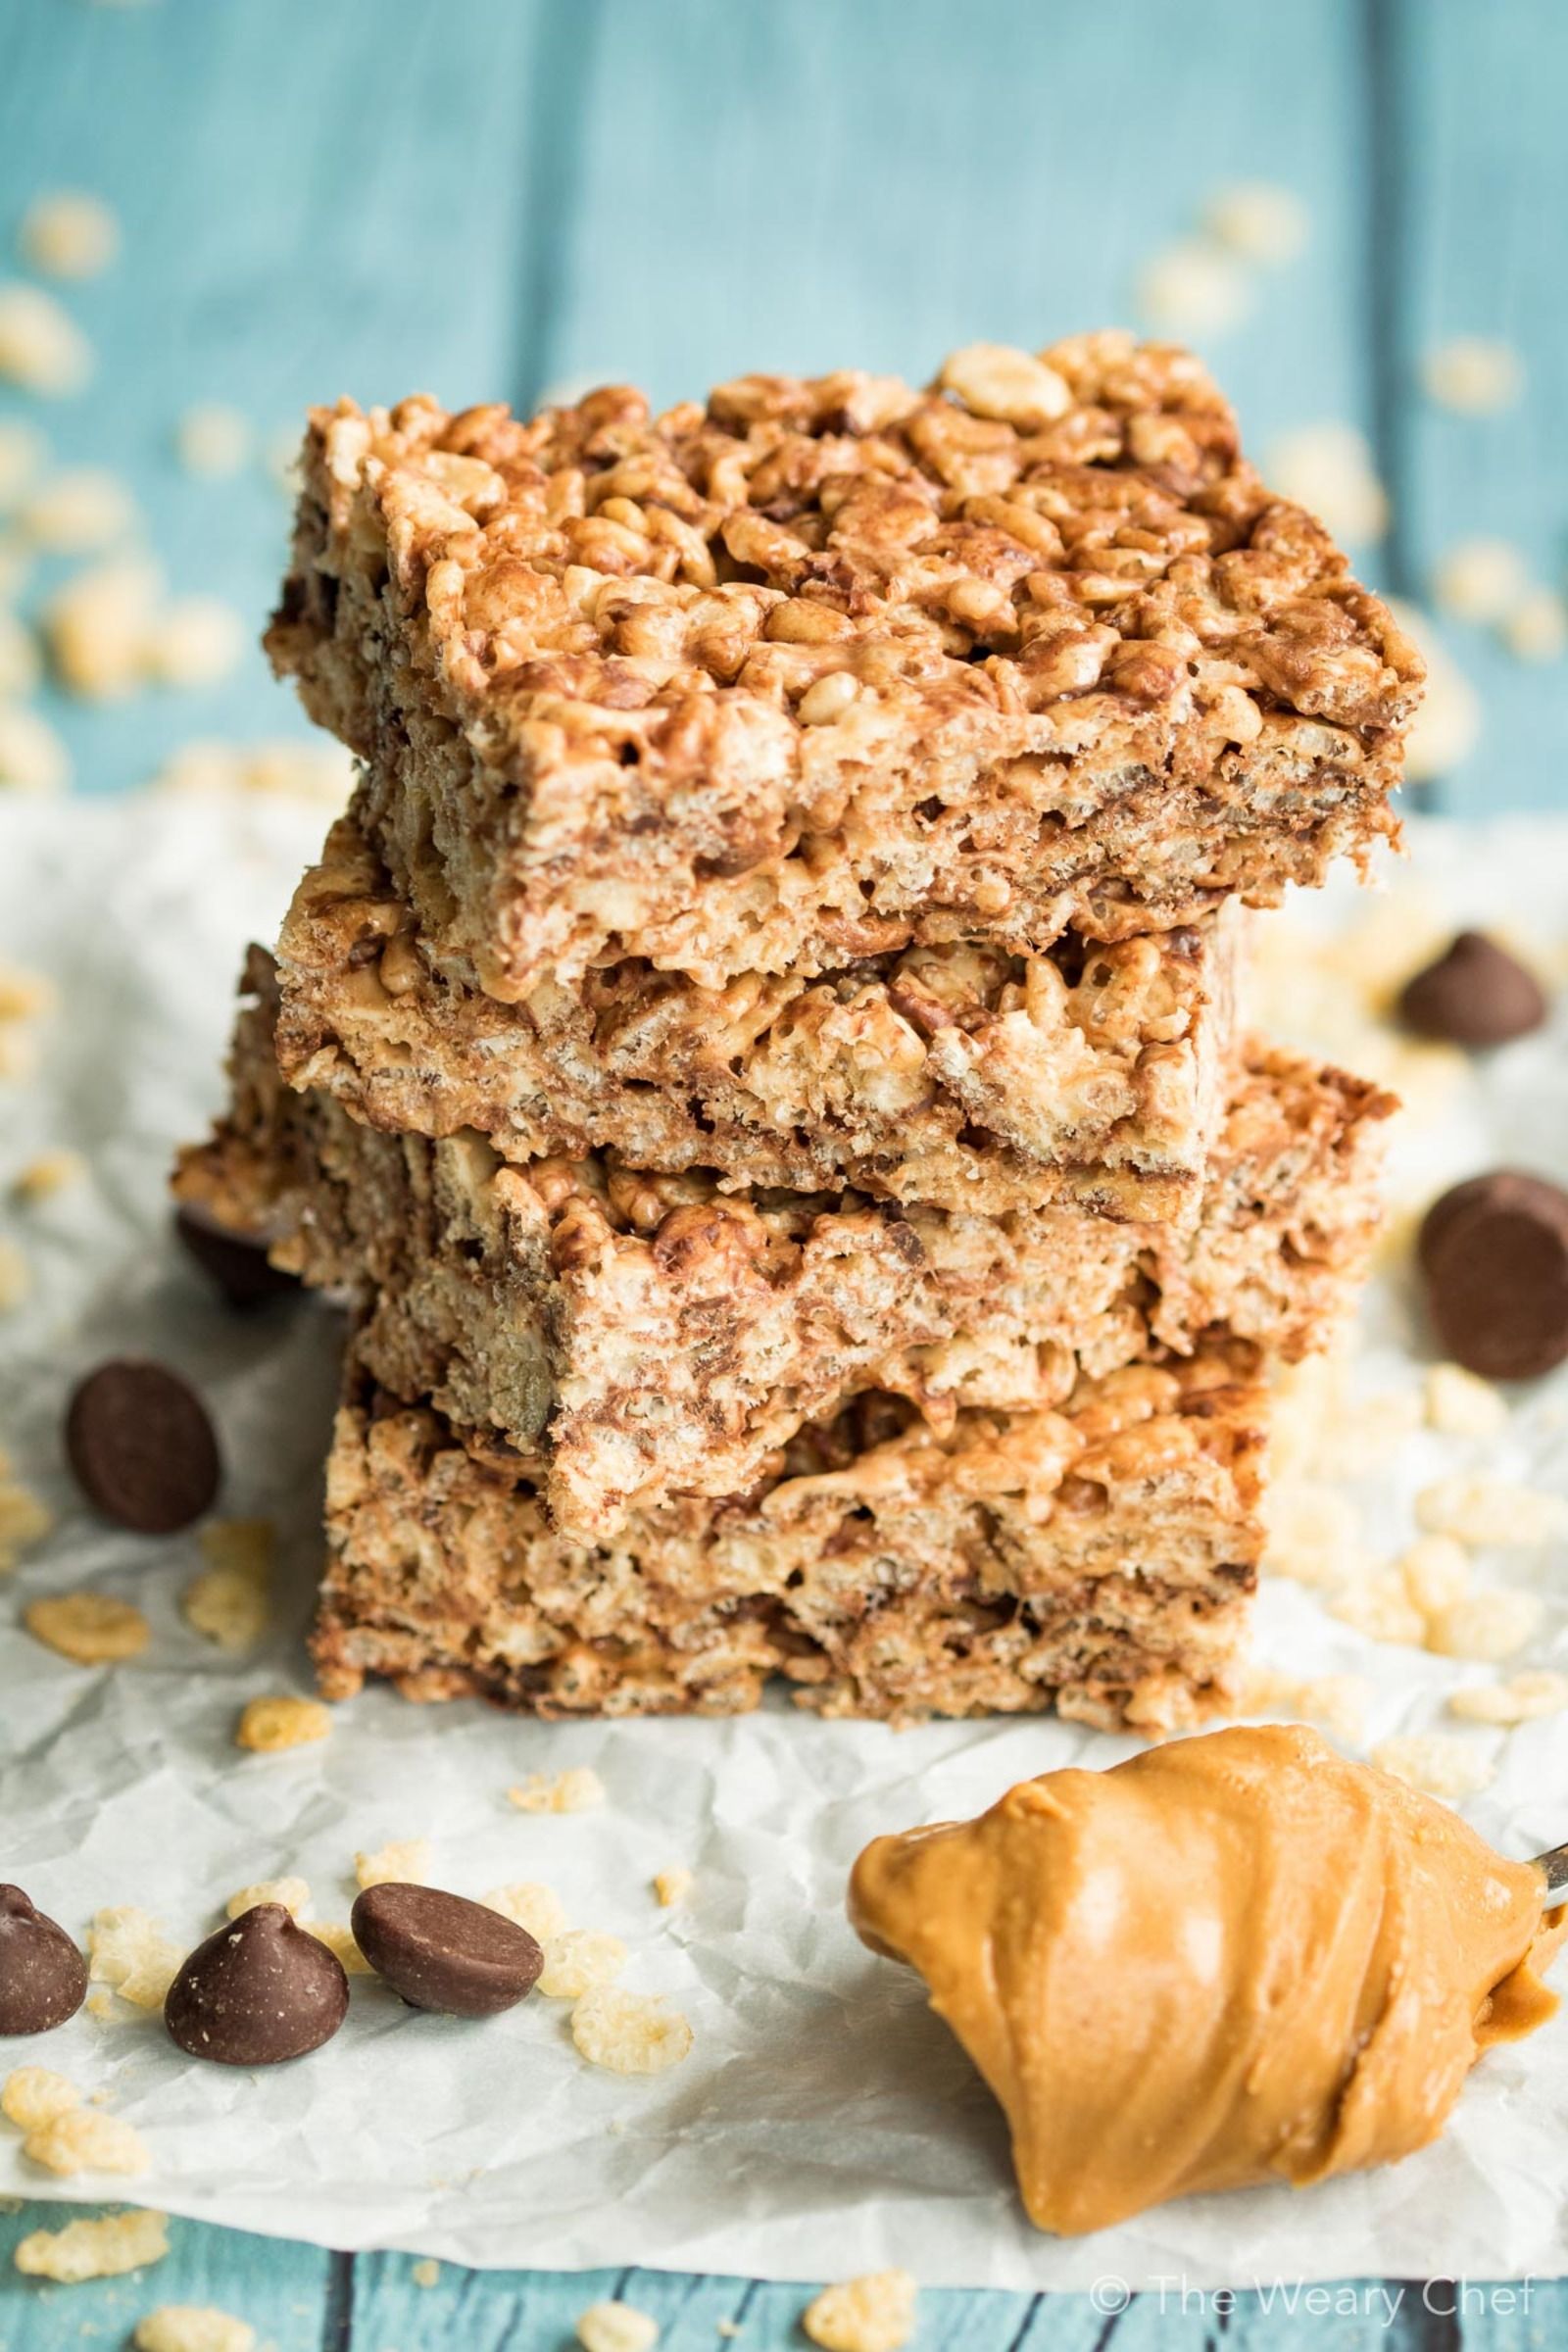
(490, 199)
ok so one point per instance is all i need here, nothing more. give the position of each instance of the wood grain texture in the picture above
(374, 195)
(1482, 229)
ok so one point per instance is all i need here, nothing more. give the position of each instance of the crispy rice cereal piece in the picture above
(293, 1894)
(230, 1602)
(874, 2312)
(192, 2328)
(16, 1277)
(127, 1950)
(83, 2140)
(1487, 1626)
(629, 2033)
(269, 1725)
(1379, 1607)
(673, 1886)
(1443, 1763)
(616, 2327)
(42, 349)
(835, 665)
(406, 1862)
(69, 234)
(579, 1789)
(1525, 1696)
(1461, 1405)
(91, 1628)
(338, 1938)
(103, 2249)
(48, 1173)
(1489, 1511)
(426, 2272)
(24, 1522)
(959, 1074)
(578, 1960)
(1435, 1572)
(664, 1336)
(885, 1568)
(31, 2097)
(531, 1905)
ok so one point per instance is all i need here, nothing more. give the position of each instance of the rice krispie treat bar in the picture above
(963, 1075)
(651, 1335)
(883, 1567)
(824, 669)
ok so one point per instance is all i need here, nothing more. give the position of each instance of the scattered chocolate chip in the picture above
(1475, 994)
(237, 1262)
(142, 1447)
(1494, 1254)
(43, 1977)
(258, 1991)
(440, 1952)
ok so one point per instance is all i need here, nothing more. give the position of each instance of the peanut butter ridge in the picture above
(1231, 1959)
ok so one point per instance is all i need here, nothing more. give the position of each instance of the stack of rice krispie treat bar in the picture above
(761, 1052)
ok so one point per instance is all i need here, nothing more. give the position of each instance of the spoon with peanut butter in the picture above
(1232, 1959)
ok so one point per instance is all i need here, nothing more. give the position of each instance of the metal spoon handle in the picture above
(1554, 1867)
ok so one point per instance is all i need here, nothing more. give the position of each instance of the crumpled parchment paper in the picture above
(824, 2122)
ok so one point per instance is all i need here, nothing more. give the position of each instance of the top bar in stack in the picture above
(829, 669)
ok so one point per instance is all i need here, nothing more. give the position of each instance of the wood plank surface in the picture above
(377, 195)
(1482, 235)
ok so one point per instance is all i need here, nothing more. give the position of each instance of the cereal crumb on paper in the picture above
(1379, 1609)
(48, 1173)
(616, 2327)
(1443, 1763)
(577, 1791)
(1461, 1405)
(874, 2312)
(229, 1600)
(405, 1862)
(531, 1905)
(338, 1938)
(673, 1886)
(1522, 1698)
(293, 1894)
(24, 1522)
(103, 2249)
(578, 1961)
(1485, 1627)
(1488, 1511)
(32, 2095)
(1435, 1573)
(192, 2328)
(629, 2033)
(268, 1726)
(129, 1951)
(33, 758)
(90, 1629)
(83, 2140)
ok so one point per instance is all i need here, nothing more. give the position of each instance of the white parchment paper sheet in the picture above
(824, 2122)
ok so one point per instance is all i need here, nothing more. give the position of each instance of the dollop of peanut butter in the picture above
(1232, 1959)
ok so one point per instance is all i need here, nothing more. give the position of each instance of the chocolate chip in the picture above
(1475, 994)
(1494, 1254)
(142, 1447)
(258, 1991)
(440, 1952)
(236, 1262)
(43, 1977)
